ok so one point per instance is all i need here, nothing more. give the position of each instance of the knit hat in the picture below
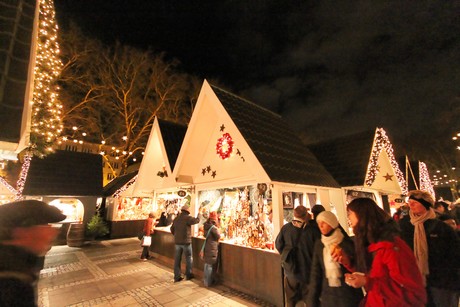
(317, 209)
(213, 215)
(28, 213)
(329, 218)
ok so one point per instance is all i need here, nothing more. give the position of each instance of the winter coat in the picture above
(19, 272)
(181, 228)
(443, 252)
(394, 278)
(212, 242)
(288, 236)
(319, 291)
(148, 226)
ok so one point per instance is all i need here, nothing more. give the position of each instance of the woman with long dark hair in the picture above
(385, 265)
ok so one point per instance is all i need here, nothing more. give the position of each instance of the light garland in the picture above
(8, 186)
(382, 142)
(46, 123)
(224, 146)
(424, 177)
(118, 192)
(23, 176)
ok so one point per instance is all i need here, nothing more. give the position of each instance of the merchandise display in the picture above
(244, 214)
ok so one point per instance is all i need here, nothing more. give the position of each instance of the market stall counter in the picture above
(250, 270)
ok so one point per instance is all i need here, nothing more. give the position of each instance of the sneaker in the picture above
(178, 279)
(144, 259)
(191, 276)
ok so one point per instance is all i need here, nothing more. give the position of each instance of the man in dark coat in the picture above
(25, 237)
(181, 228)
(436, 248)
(302, 236)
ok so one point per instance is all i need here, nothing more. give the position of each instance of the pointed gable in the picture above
(265, 148)
(362, 159)
(160, 155)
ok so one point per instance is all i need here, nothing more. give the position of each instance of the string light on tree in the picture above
(382, 142)
(425, 181)
(46, 112)
(23, 175)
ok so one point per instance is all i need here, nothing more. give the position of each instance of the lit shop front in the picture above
(126, 215)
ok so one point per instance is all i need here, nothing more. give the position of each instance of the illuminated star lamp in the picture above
(381, 142)
(224, 146)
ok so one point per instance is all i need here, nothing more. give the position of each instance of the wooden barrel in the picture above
(76, 235)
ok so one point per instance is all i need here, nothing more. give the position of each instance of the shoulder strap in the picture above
(204, 243)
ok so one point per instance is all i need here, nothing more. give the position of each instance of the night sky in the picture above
(329, 67)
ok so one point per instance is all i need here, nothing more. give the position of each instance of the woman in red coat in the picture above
(149, 225)
(385, 265)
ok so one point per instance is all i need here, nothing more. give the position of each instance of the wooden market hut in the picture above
(363, 164)
(130, 199)
(245, 162)
(71, 181)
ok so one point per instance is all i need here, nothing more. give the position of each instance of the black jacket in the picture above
(288, 236)
(443, 252)
(181, 228)
(318, 288)
(19, 271)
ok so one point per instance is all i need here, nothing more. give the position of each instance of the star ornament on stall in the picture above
(388, 177)
(224, 146)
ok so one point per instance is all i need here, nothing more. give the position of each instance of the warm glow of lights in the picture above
(46, 123)
(424, 177)
(23, 175)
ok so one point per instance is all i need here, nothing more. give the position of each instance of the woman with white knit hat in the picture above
(327, 284)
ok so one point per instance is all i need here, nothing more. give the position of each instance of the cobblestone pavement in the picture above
(110, 273)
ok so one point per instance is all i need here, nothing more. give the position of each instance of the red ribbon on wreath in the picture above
(224, 146)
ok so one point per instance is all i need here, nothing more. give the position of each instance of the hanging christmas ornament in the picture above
(224, 146)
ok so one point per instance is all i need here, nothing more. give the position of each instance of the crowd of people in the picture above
(410, 259)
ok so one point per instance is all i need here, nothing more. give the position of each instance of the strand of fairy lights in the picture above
(425, 182)
(8, 186)
(23, 175)
(118, 192)
(381, 142)
(46, 110)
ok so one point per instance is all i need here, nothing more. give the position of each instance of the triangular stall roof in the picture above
(160, 155)
(119, 185)
(364, 159)
(65, 173)
(231, 139)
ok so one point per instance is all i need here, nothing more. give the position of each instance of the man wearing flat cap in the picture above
(25, 237)
(436, 249)
(181, 228)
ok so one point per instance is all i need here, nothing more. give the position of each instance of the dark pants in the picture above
(145, 252)
(294, 291)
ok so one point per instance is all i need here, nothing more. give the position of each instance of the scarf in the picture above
(420, 243)
(333, 271)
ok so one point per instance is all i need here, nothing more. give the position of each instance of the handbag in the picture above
(201, 254)
(146, 241)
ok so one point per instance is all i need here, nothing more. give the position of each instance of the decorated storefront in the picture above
(246, 164)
